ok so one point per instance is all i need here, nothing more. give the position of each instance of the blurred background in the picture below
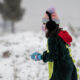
(21, 35)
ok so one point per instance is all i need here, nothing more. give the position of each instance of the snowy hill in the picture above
(15, 49)
(15, 60)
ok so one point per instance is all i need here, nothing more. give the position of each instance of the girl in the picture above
(61, 66)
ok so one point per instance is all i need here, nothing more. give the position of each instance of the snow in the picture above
(19, 65)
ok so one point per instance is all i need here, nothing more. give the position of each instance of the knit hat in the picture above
(53, 14)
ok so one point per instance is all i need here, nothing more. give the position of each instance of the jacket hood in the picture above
(65, 36)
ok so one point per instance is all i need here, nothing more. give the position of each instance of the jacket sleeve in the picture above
(53, 51)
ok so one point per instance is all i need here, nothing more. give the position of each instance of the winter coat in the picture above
(60, 63)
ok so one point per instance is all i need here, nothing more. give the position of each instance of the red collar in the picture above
(65, 36)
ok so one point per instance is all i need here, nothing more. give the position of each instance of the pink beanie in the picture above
(54, 16)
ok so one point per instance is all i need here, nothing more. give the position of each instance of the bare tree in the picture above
(12, 12)
(1, 8)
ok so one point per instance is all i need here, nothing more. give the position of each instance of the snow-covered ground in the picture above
(15, 49)
(15, 59)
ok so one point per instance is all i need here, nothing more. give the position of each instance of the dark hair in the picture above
(53, 32)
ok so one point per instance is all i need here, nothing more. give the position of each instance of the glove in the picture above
(36, 56)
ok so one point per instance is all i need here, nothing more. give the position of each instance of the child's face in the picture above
(44, 21)
(44, 27)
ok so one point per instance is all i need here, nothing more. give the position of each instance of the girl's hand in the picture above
(36, 56)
